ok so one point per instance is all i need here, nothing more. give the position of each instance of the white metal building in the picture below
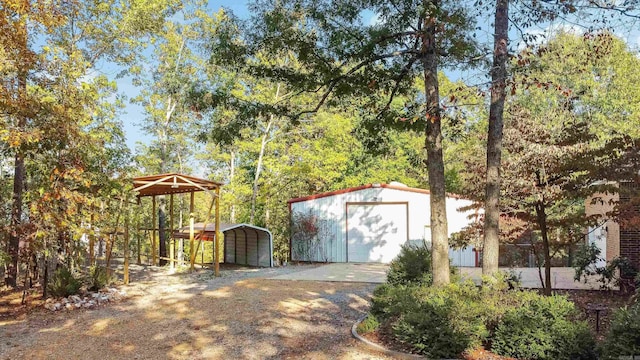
(369, 224)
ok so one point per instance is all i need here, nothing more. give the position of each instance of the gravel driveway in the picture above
(241, 315)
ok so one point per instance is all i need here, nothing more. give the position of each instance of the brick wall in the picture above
(629, 228)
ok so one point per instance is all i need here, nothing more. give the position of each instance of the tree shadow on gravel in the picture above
(222, 318)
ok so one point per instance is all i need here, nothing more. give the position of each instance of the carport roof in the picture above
(183, 232)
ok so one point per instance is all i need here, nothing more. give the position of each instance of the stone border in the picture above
(379, 348)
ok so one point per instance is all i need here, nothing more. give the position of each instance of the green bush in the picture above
(543, 327)
(623, 338)
(444, 322)
(391, 301)
(620, 272)
(98, 278)
(64, 283)
(369, 324)
(438, 322)
(412, 265)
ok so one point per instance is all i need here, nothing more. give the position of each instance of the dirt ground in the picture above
(195, 316)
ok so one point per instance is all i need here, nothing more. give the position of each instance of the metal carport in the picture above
(244, 244)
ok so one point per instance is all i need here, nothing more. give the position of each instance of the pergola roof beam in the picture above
(165, 184)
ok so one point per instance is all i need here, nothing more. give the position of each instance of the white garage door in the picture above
(375, 231)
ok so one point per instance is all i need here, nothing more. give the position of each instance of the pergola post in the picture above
(192, 253)
(138, 245)
(217, 235)
(172, 241)
(153, 231)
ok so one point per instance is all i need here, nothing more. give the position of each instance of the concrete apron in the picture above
(561, 278)
(341, 272)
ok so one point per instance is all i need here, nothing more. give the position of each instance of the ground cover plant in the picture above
(461, 317)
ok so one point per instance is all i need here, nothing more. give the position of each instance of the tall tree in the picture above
(494, 143)
(563, 135)
(342, 57)
(20, 23)
(579, 13)
(168, 118)
(62, 125)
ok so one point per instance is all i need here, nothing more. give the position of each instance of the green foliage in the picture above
(64, 283)
(98, 278)
(543, 327)
(623, 338)
(565, 112)
(412, 265)
(369, 324)
(584, 261)
(4, 258)
(512, 279)
(443, 322)
(618, 272)
(439, 322)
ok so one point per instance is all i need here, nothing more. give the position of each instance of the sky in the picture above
(134, 113)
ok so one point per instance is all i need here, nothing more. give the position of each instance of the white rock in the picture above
(57, 306)
(75, 298)
(95, 295)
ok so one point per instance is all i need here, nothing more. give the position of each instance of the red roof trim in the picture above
(368, 186)
(330, 193)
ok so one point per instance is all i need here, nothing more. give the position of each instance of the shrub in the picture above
(438, 322)
(64, 283)
(623, 338)
(369, 324)
(543, 327)
(98, 278)
(391, 301)
(412, 265)
(618, 272)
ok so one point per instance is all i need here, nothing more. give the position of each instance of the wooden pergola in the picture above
(173, 183)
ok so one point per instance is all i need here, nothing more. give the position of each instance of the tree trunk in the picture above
(263, 145)
(111, 239)
(541, 216)
(232, 169)
(162, 234)
(13, 248)
(435, 162)
(45, 278)
(494, 142)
